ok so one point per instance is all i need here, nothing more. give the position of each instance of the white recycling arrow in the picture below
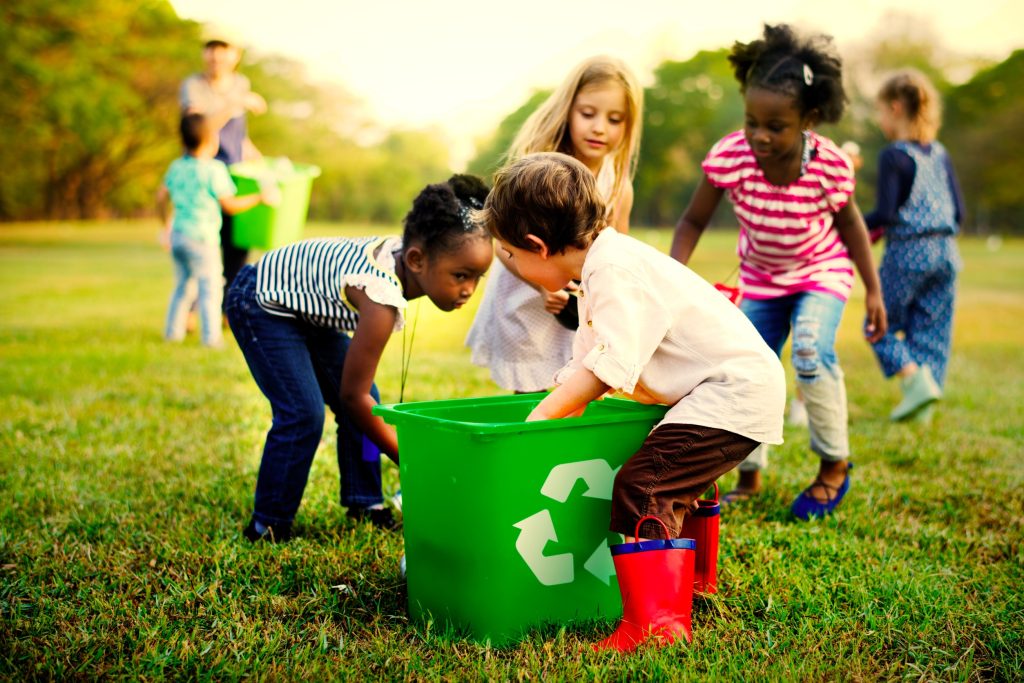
(598, 475)
(600, 563)
(536, 531)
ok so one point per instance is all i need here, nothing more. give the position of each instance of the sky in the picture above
(460, 66)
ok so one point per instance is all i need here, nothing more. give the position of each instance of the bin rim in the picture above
(250, 168)
(396, 413)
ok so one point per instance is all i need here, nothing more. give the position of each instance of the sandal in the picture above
(807, 506)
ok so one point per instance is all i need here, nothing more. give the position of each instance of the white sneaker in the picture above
(396, 500)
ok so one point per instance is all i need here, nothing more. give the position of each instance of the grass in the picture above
(127, 467)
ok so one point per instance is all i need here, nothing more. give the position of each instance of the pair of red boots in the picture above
(657, 579)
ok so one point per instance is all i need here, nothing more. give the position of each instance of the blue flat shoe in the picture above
(807, 506)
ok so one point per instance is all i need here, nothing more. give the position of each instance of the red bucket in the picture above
(702, 526)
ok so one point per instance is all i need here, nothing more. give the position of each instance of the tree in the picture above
(82, 80)
(690, 106)
(983, 131)
(490, 157)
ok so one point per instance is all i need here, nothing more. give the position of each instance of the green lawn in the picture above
(127, 467)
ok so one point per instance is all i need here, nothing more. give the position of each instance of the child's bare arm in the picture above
(376, 323)
(854, 234)
(569, 399)
(163, 205)
(237, 204)
(693, 221)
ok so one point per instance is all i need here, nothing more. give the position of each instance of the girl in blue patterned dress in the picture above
(919, 208)
(292, 313)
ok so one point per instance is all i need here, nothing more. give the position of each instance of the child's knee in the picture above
(301, 419)
(810, 351)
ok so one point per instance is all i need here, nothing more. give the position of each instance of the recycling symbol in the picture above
(539, 528)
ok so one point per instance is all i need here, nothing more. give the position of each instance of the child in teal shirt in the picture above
(199, 187)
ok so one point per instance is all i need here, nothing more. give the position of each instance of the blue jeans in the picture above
(298, 368)
(200, 262)
(813, 318)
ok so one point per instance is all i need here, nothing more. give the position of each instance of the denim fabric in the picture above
(919, 287)
(813, 318)
(298, 368)
(200, 262)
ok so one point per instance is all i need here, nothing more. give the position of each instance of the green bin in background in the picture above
(268, 227)
(506, 522)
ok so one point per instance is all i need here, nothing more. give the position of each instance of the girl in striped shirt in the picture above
(791, 191)
(292, 314)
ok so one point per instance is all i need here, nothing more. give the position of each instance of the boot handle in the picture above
(636, 532)
(716, 491)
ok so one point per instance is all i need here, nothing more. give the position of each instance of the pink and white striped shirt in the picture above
(787, 242)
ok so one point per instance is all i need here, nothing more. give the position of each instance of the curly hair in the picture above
(439, 219)
(807, 68)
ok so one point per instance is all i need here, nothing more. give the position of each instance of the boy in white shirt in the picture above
(651, 329)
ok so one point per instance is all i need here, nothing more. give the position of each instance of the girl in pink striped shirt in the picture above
(800, 236)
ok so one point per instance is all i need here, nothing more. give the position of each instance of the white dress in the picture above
(512, 334)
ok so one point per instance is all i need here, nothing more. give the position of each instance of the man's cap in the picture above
(218, 33)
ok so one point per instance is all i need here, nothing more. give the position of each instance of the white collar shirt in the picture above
(655, 331)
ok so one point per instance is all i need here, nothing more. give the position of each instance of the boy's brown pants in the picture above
(675, 465)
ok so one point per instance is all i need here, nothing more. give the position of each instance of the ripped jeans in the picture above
(813, 318)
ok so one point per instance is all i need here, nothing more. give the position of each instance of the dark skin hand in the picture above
(376, 322)
(848, 222)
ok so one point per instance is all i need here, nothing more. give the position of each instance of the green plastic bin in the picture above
(268, 227)
(506, 522)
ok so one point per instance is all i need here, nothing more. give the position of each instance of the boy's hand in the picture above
(875, 322)
(554, 302)
(539, 413)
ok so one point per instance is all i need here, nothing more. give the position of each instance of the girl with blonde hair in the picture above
(594, 116)
(919, 208)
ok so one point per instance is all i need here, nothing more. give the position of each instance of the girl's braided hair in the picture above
(807, 68)
(439, 220)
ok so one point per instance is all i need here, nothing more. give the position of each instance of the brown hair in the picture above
(547, 194)
(920, 100)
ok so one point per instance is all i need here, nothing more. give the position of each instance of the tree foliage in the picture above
(492, 152)
(82, 80)
(690, 106)
(89, 119)
(984, 131)
(88, 123)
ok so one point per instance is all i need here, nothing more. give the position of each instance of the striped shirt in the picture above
(787, 242)
(307, 279)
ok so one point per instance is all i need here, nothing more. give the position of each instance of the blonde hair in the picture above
(920, 100)
(547, 129)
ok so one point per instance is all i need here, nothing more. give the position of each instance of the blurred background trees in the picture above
(88, 123)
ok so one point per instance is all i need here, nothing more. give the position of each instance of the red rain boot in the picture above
(656, 583)
(702, 526)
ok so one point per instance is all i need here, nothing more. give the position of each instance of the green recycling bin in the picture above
(506, 522)
(268, 227)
